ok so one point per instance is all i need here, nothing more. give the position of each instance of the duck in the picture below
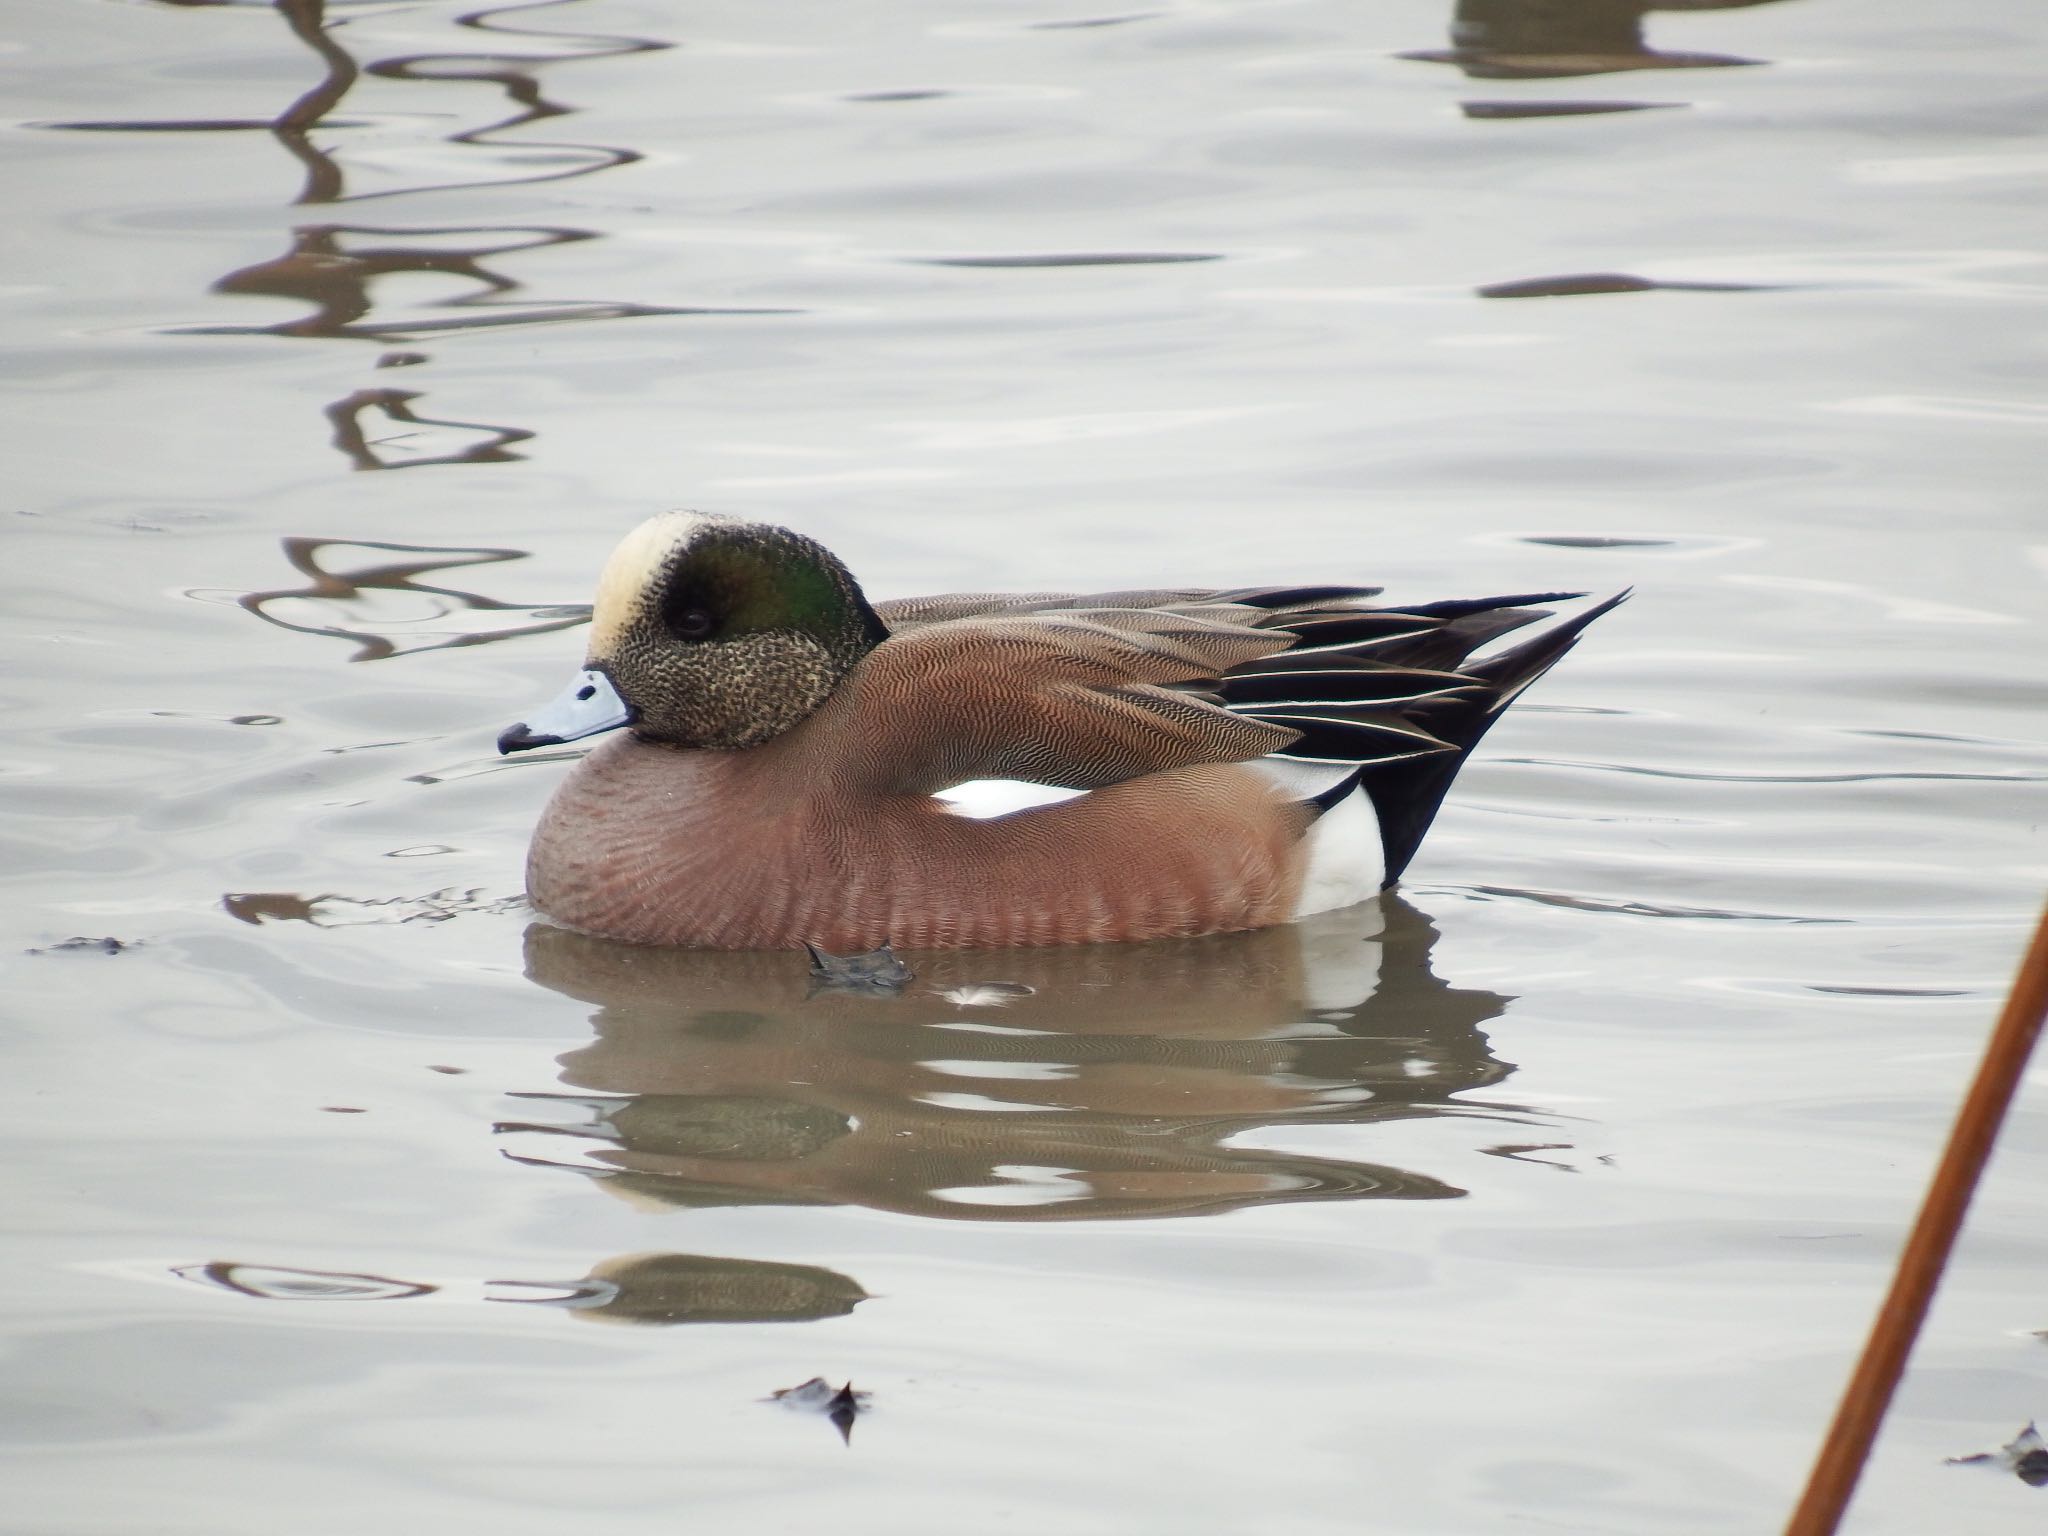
(787, 763)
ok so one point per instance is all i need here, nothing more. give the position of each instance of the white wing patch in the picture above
(986, 799)
(1346, 863)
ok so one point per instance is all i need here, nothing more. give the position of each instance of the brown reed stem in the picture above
(1869, 1393)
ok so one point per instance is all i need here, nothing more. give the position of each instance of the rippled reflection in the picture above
(1115, 1087)
(512, 65)
(1548, 39)
(514, 71)
(332, 267)
(379, 429)
(382, 606)
(661, 1289)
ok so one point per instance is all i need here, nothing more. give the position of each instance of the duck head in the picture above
(710, 632)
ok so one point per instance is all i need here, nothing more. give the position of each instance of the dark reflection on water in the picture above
(1550, 39)
(660, 1289)
(1576, 284)
(1484, 110)
(330, 270)
(295, 124)
(1073, 259)
(385, 610)
(379, 429)
(332, 266)
(516, 74)
(1092, 23)
(1114, 1088)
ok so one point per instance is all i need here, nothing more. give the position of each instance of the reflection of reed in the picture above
(293, 127)
(1115, 1088)
(329, 599)
(514, 74)
(401, 449)
(330, 269)
(1546, 39)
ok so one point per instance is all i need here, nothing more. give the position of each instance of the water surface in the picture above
(1553, 1194)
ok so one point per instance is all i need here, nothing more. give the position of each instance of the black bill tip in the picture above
(519, 738)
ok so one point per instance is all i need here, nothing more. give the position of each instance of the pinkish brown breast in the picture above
(751, 850)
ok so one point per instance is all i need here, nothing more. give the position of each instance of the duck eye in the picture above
(692, 623)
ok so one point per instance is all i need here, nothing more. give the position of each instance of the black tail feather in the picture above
(1407, 794)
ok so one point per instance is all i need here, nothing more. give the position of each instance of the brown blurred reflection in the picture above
(332, 268)
(1547, 39)
(661, 1289)
(1114, 1088)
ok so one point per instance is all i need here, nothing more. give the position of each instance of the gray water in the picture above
(1555, 1194)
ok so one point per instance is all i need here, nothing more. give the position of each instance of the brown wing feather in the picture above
(1086, 690)
(910, 612)
(1075, 697)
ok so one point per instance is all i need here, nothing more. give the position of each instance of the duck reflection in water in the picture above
(1550, 39)
(1114, 1087)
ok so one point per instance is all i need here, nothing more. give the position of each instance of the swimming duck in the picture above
(801, 765)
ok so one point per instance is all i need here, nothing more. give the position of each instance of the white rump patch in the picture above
(985, 799)
(1346, 861)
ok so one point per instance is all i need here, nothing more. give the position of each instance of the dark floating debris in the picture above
(342, 1109)
(2025, 1456)
(878, 972)
(450, 1071)
(1576, 284)
(101, 946)
(842, 1406)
